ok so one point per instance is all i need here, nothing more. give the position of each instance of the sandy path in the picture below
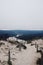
(27, 57)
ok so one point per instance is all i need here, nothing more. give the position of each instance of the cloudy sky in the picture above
(21, 14)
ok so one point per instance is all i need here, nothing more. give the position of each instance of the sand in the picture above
(23, 57)
(28, 56)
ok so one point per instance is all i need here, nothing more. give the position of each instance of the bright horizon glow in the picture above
(21, 14)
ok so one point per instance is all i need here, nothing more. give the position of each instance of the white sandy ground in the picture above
(28, 56)
(23, 57)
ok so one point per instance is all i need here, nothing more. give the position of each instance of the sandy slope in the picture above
(27, 57)
(24, 57)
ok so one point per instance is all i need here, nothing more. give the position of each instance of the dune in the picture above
(23, 57)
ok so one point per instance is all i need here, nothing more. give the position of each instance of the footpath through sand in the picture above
(28, 56)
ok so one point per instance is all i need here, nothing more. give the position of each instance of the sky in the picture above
(21, 14)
